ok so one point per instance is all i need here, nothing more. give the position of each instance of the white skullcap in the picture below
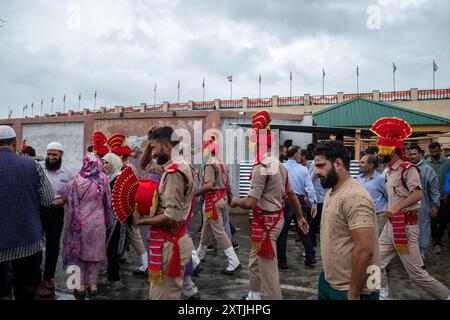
(6, 132)
(55, 146)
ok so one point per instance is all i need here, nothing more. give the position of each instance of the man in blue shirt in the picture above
(374, 183)
(301, 183)
(314, 227)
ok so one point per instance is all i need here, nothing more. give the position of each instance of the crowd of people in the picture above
(397, 206)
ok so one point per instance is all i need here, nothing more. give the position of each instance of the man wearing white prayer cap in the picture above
(53, 216)
(7, 133)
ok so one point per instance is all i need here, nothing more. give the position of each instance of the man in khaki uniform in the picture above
(215, 181)
(169, 224)
(400, 235)
(348, 233)
(267, 195)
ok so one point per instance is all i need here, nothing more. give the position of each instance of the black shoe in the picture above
(196, 296)
(310, 263)
(92, 293)
(79, 295)
(282, 266)
(235, 245)
(233, 272)
(139, 273)
(197, 270)
(211, 248)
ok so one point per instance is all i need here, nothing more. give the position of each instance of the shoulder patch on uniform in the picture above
(406, 165)
(173, 168)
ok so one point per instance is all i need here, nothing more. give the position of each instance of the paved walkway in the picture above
(298, 282)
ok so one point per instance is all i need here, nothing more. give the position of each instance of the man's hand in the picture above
(434, 212)
(136, 215)
(234, 202)
(447, 199)
(390, 212)
(303, 225)
(313, 212)
(308, 203)
(58, 202)
(353, 296)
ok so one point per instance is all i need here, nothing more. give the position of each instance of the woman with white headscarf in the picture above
(112, 166)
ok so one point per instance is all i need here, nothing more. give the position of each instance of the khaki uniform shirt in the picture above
(268, 184)
(347, 209)
(395, 188)
(213, 173)
(175, 191)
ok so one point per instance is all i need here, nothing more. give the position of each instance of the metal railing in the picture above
(327, 99)
(177, 107)
(395, 96)
(291, 101)
(433, 94)
(230, 104)
(350, 96)
(258, 103)
(157, 108)
(203, 105)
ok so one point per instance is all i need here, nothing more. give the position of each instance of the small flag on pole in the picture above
(154, 88)
(394, 67)
(53, 99)
(95, 94)
(230, 78)
(79, 96)
(323, 73)
(203, 83)
(435, 66)
(260, 78)
(64, 99)
(290, 75)
(178, 84)
(357, 71)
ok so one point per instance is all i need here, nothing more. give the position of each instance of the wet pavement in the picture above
(298, 281)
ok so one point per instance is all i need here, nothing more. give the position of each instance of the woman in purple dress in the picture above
(89, 218)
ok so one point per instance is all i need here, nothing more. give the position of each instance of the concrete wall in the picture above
(69, 134)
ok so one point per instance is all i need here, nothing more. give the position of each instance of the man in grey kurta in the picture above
(430, 201)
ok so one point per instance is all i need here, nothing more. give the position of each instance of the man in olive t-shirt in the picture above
(348, 231)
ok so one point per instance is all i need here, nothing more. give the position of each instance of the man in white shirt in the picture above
(52, 217)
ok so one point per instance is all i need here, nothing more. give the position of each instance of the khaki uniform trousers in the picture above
(171, 288)
(215, 228)
(412, 262)
(135, 238)
(264, 276)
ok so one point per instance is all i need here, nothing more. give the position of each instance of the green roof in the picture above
(360, 112)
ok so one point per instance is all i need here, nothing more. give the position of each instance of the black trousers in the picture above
(22, 271)
(113, 255)
(314, 227)
(305, 238)
(52, 219)
(440, 222)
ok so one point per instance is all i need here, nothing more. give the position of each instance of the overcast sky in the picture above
(121, 48)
